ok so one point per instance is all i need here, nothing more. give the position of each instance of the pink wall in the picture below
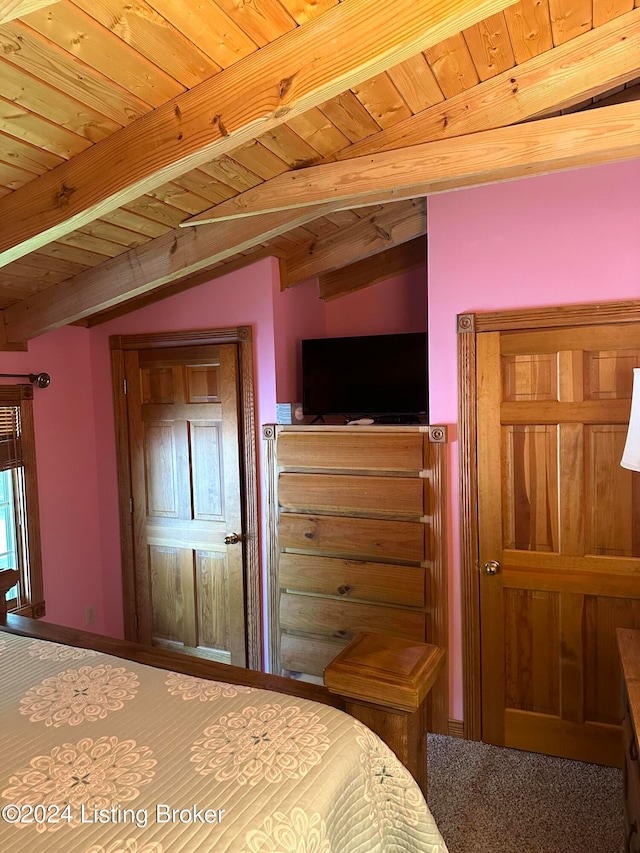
(396, 305)
(66, 461)
(298, 314)
(557, 239)
(241, 298)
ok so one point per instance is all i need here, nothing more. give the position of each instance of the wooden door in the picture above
(185, 479)
(561, 519)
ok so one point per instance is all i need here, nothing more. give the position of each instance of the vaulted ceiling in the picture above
(148, 145)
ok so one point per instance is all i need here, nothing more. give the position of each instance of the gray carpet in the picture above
(487, 799)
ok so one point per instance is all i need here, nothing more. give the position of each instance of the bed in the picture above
(106, 748)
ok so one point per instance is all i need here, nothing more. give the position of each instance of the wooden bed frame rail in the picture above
(154, 656)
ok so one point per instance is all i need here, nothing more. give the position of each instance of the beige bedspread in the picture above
(102, 755)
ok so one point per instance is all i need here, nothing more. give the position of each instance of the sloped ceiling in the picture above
(147, 145)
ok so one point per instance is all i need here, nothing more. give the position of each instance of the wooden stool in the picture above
(385, 681)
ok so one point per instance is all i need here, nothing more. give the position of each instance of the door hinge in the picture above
(131, 505)
(125, 386)
(135, 622)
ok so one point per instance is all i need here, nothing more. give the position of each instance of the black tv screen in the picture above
(372, 375)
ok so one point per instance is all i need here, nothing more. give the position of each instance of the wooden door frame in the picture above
(242, 336)
(468, 326)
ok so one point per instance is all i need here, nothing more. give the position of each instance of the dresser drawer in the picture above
(309, 654)
(383, 582)
(351, 451)
(346, 493)
(362, 537)
(345, 619)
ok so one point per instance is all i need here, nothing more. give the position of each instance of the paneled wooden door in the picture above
(559, 536)
(182, 406)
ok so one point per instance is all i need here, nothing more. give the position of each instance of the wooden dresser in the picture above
(357, 542)
(629, 645)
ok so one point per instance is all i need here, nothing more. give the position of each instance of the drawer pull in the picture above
(633, 750)
(344, 589)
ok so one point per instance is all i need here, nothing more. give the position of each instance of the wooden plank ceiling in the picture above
(125, 123)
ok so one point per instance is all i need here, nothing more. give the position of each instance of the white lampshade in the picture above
(631, 455)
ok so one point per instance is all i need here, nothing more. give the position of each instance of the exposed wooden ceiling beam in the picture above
(342, 47)
(619, 96)
(6, 345)
(632, 93)
(596, 136)
(596, 61)
(221, 268)
(168, 258)
(600, 59)
(11, 9)
(392, 262)
(395, 224)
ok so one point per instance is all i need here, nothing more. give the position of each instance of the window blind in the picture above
(17, 453)
(10, 440)
(11, 443)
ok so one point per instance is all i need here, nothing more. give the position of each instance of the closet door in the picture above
(559, 528)
(182, 406)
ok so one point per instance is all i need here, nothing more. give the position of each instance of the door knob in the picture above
(232, 539)
(492, 567)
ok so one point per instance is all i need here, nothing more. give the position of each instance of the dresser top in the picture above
(629, 645)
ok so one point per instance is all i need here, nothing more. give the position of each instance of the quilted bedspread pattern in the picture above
(103, 755)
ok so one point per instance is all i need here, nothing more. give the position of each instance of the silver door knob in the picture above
(232, 539)
(492, 567)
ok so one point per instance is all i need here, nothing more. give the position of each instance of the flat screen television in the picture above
(373, 375)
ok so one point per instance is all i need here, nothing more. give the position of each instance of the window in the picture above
(19, 519)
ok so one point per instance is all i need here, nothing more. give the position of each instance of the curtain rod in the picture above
(42, 380)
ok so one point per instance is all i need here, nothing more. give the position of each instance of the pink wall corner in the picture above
(552, 240)
(298, 313)
(396, 305)
(66, 463)
(241, 298)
